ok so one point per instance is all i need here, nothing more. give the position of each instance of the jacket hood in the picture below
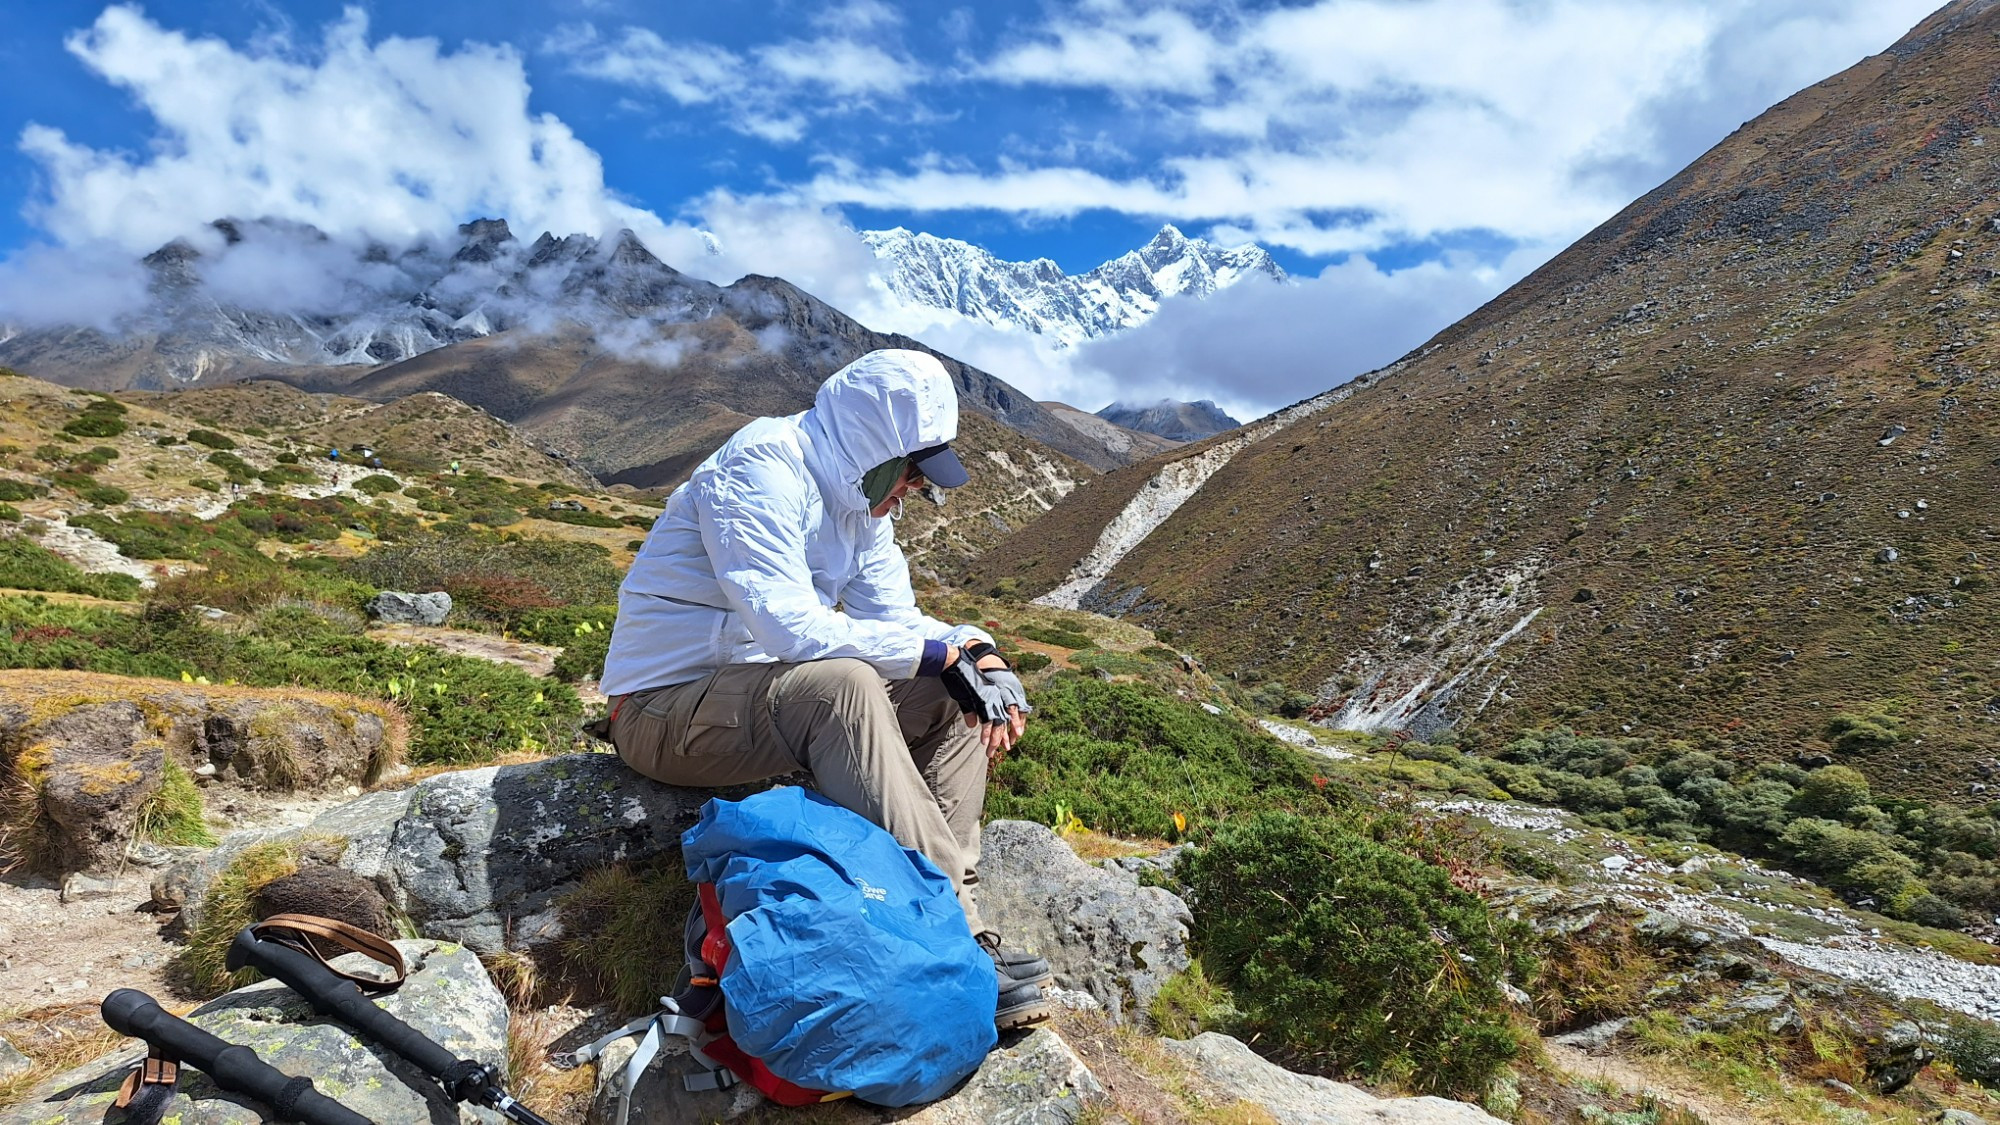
(886, 404)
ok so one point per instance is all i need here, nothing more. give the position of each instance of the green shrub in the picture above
(1349, 957)
(495, 517)
(375, 484)
(166, 441)
(1855, 734)
(461, 708)
(494, 579)
(1272, 697)
(583, 657)
(1831, 793)
(1030, 661)
(236, 468)
(9, 514)
(210, 439)
(561, 624)
(20, 490)
(1057, 636)
(277, 476)
(90, 424)
(28, 566)
(1125, 757)
(584, 518)
(287, 458)
(104, 495)
(206, 485)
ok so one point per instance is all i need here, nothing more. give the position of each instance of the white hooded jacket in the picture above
(772, 532)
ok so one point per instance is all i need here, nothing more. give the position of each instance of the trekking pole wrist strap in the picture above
(306, 932)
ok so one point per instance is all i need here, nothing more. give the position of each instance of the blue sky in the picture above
(1406, 158)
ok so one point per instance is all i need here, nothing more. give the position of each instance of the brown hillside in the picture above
(645, 415)
(1736, 451)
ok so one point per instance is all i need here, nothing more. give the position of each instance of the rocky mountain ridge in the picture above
(598, 347)
(947, 273)
(1721, 470)
(1175, 421)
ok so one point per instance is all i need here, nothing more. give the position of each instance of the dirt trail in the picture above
(534, 659)
(1635, 1078)
(56, 952)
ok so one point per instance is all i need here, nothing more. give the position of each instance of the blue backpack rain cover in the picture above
(853, 967)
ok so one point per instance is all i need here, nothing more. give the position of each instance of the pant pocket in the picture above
(719, 722)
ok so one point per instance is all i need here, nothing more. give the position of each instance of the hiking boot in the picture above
(1021, 1003)
(1023, 967)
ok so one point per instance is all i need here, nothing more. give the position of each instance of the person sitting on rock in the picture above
(768, 626)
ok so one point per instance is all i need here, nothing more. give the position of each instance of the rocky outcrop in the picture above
(448, 997)
(393, 607)
(1102, 932)
(90, 750)
(1036, 1078)
(1240, 1074)
(90, 768)
(1032, 1078)
(483, 856)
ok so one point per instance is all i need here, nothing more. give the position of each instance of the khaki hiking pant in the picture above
(897, 752)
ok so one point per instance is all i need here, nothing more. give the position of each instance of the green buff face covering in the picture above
(876, 482)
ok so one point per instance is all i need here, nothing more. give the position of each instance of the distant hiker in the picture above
(730, 664)
(333, 454)
(454, 468)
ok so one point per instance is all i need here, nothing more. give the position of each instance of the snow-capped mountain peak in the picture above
(946, 273)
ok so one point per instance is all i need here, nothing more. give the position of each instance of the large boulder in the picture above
(393, 607)
(1101, 930)
(484, 856)
(448, 997)
(1237, 1073)
(1032, 1078)
(91, 766)
(481, 856)
(296, 742)
(93, 749)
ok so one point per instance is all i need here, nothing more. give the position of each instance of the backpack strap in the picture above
(722, 1051)
(306, 932)
(653, 1031)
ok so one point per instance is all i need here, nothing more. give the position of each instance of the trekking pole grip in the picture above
(234, 1067)
(339, 999)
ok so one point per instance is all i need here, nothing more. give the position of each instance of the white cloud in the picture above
(771, 91)
(857, 17)
(728, 236)
(1278, 344)
(1124, 51)
(95, 284)
(393, 139)
(1351, 125)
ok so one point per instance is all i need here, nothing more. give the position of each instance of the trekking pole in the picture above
(234, 1067)
(463, 1080)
